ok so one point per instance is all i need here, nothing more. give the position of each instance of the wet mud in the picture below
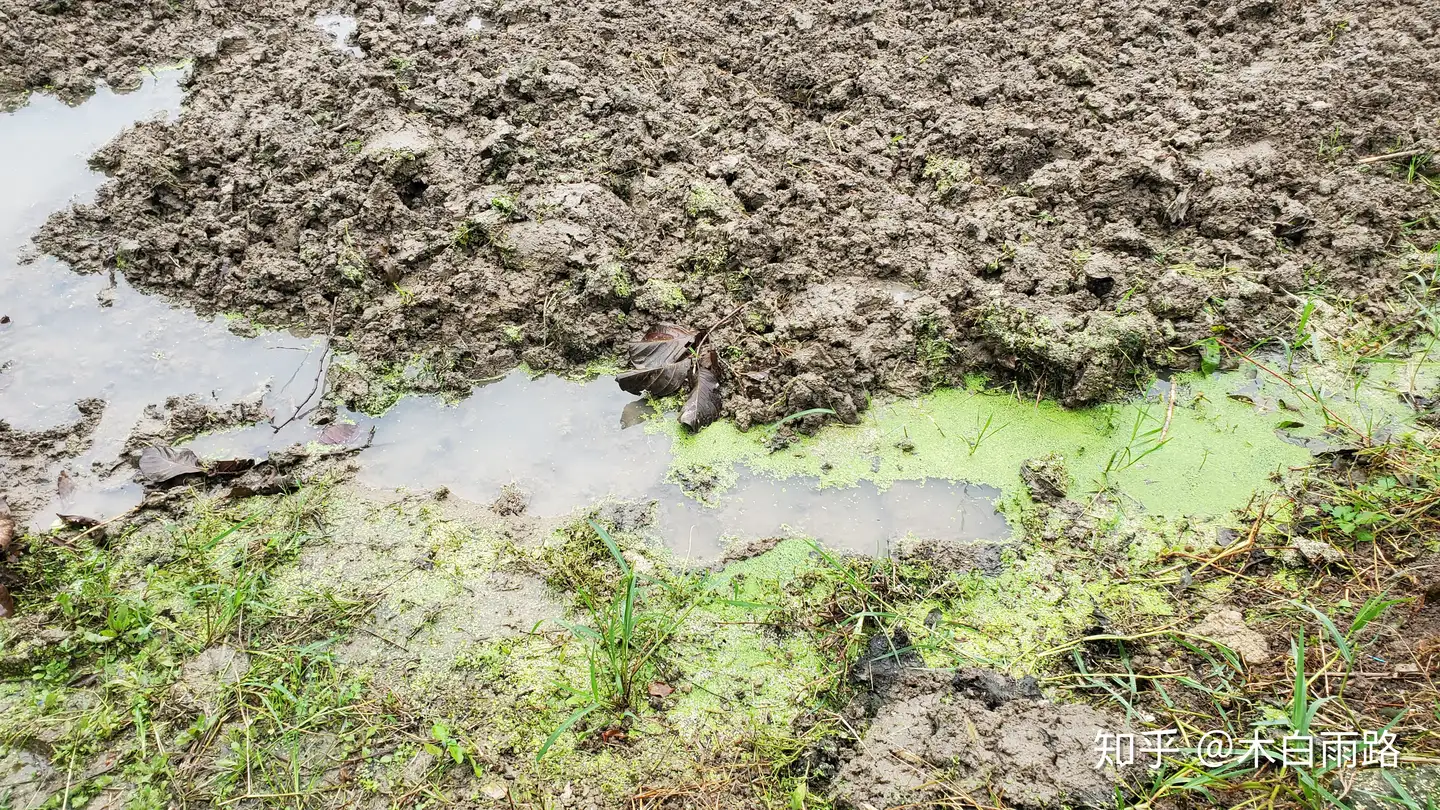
(896, 193)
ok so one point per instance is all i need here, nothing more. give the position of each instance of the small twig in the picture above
(1392, 156)
(300, 409)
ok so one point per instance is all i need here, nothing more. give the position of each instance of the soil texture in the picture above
(898, 192)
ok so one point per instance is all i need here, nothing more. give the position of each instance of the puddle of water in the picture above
(340, 27)
(62, 345)
(568, 444)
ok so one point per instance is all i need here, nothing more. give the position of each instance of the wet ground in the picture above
(565, 444)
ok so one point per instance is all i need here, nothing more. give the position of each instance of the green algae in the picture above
(1217, 450)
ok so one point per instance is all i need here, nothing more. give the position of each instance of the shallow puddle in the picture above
(74, 337)
(568, 444)
(340, 27)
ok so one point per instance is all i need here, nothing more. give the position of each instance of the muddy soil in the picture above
(897, 192)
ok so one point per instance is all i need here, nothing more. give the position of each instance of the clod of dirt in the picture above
(927, 743)
(911, 211)
(952, 555)
(7, 528)
(885, 657)
(183, 417)
(1373, 790)
(993, 689)
(512, 501)
(28, 458)
(1227, 626)
(1046, 477)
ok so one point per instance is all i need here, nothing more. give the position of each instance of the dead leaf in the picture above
(64, 487)
(233, 466)
(496, 791)
(660, 690)
(4, 319)
(7, 603)
(340, 433)
(703, 405)
(160, 464)
(662, 362)
(78, 521)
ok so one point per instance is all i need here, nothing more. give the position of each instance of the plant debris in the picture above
(161, 464)
(670, 359)
(78, 521)
(65, 486)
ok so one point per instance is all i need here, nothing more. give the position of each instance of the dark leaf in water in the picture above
(1289, 424)
(703, 405)
(64, 487)
(78, 521)
(7, 603)
(4, 319)
(233, 466)
(339, 433)
(160, 464)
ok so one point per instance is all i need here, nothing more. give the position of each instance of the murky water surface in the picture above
(566, 444)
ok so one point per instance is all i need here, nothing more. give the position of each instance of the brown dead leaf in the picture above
(64, 486)
(78, 521)
(660, 690)
(7, 603)
(703, 405)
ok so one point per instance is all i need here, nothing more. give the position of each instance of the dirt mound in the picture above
(936, 737)
(899, 191)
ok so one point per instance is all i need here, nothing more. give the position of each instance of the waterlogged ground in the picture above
(546, 593)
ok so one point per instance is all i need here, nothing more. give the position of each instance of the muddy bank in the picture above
(897, 193)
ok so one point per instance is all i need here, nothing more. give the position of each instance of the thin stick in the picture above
(1392, 156)
(319, 373)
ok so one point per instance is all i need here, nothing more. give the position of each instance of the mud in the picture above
(896, 192)
(942, 737)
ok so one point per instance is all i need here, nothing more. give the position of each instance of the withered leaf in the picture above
(339, 433)
(703, 405)
(232, 466)
(663, 381)
(160, 464)
(660, 690)
(661, 346)
(64, 487)
(662, 362)
(78, 521)
(7, 603)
